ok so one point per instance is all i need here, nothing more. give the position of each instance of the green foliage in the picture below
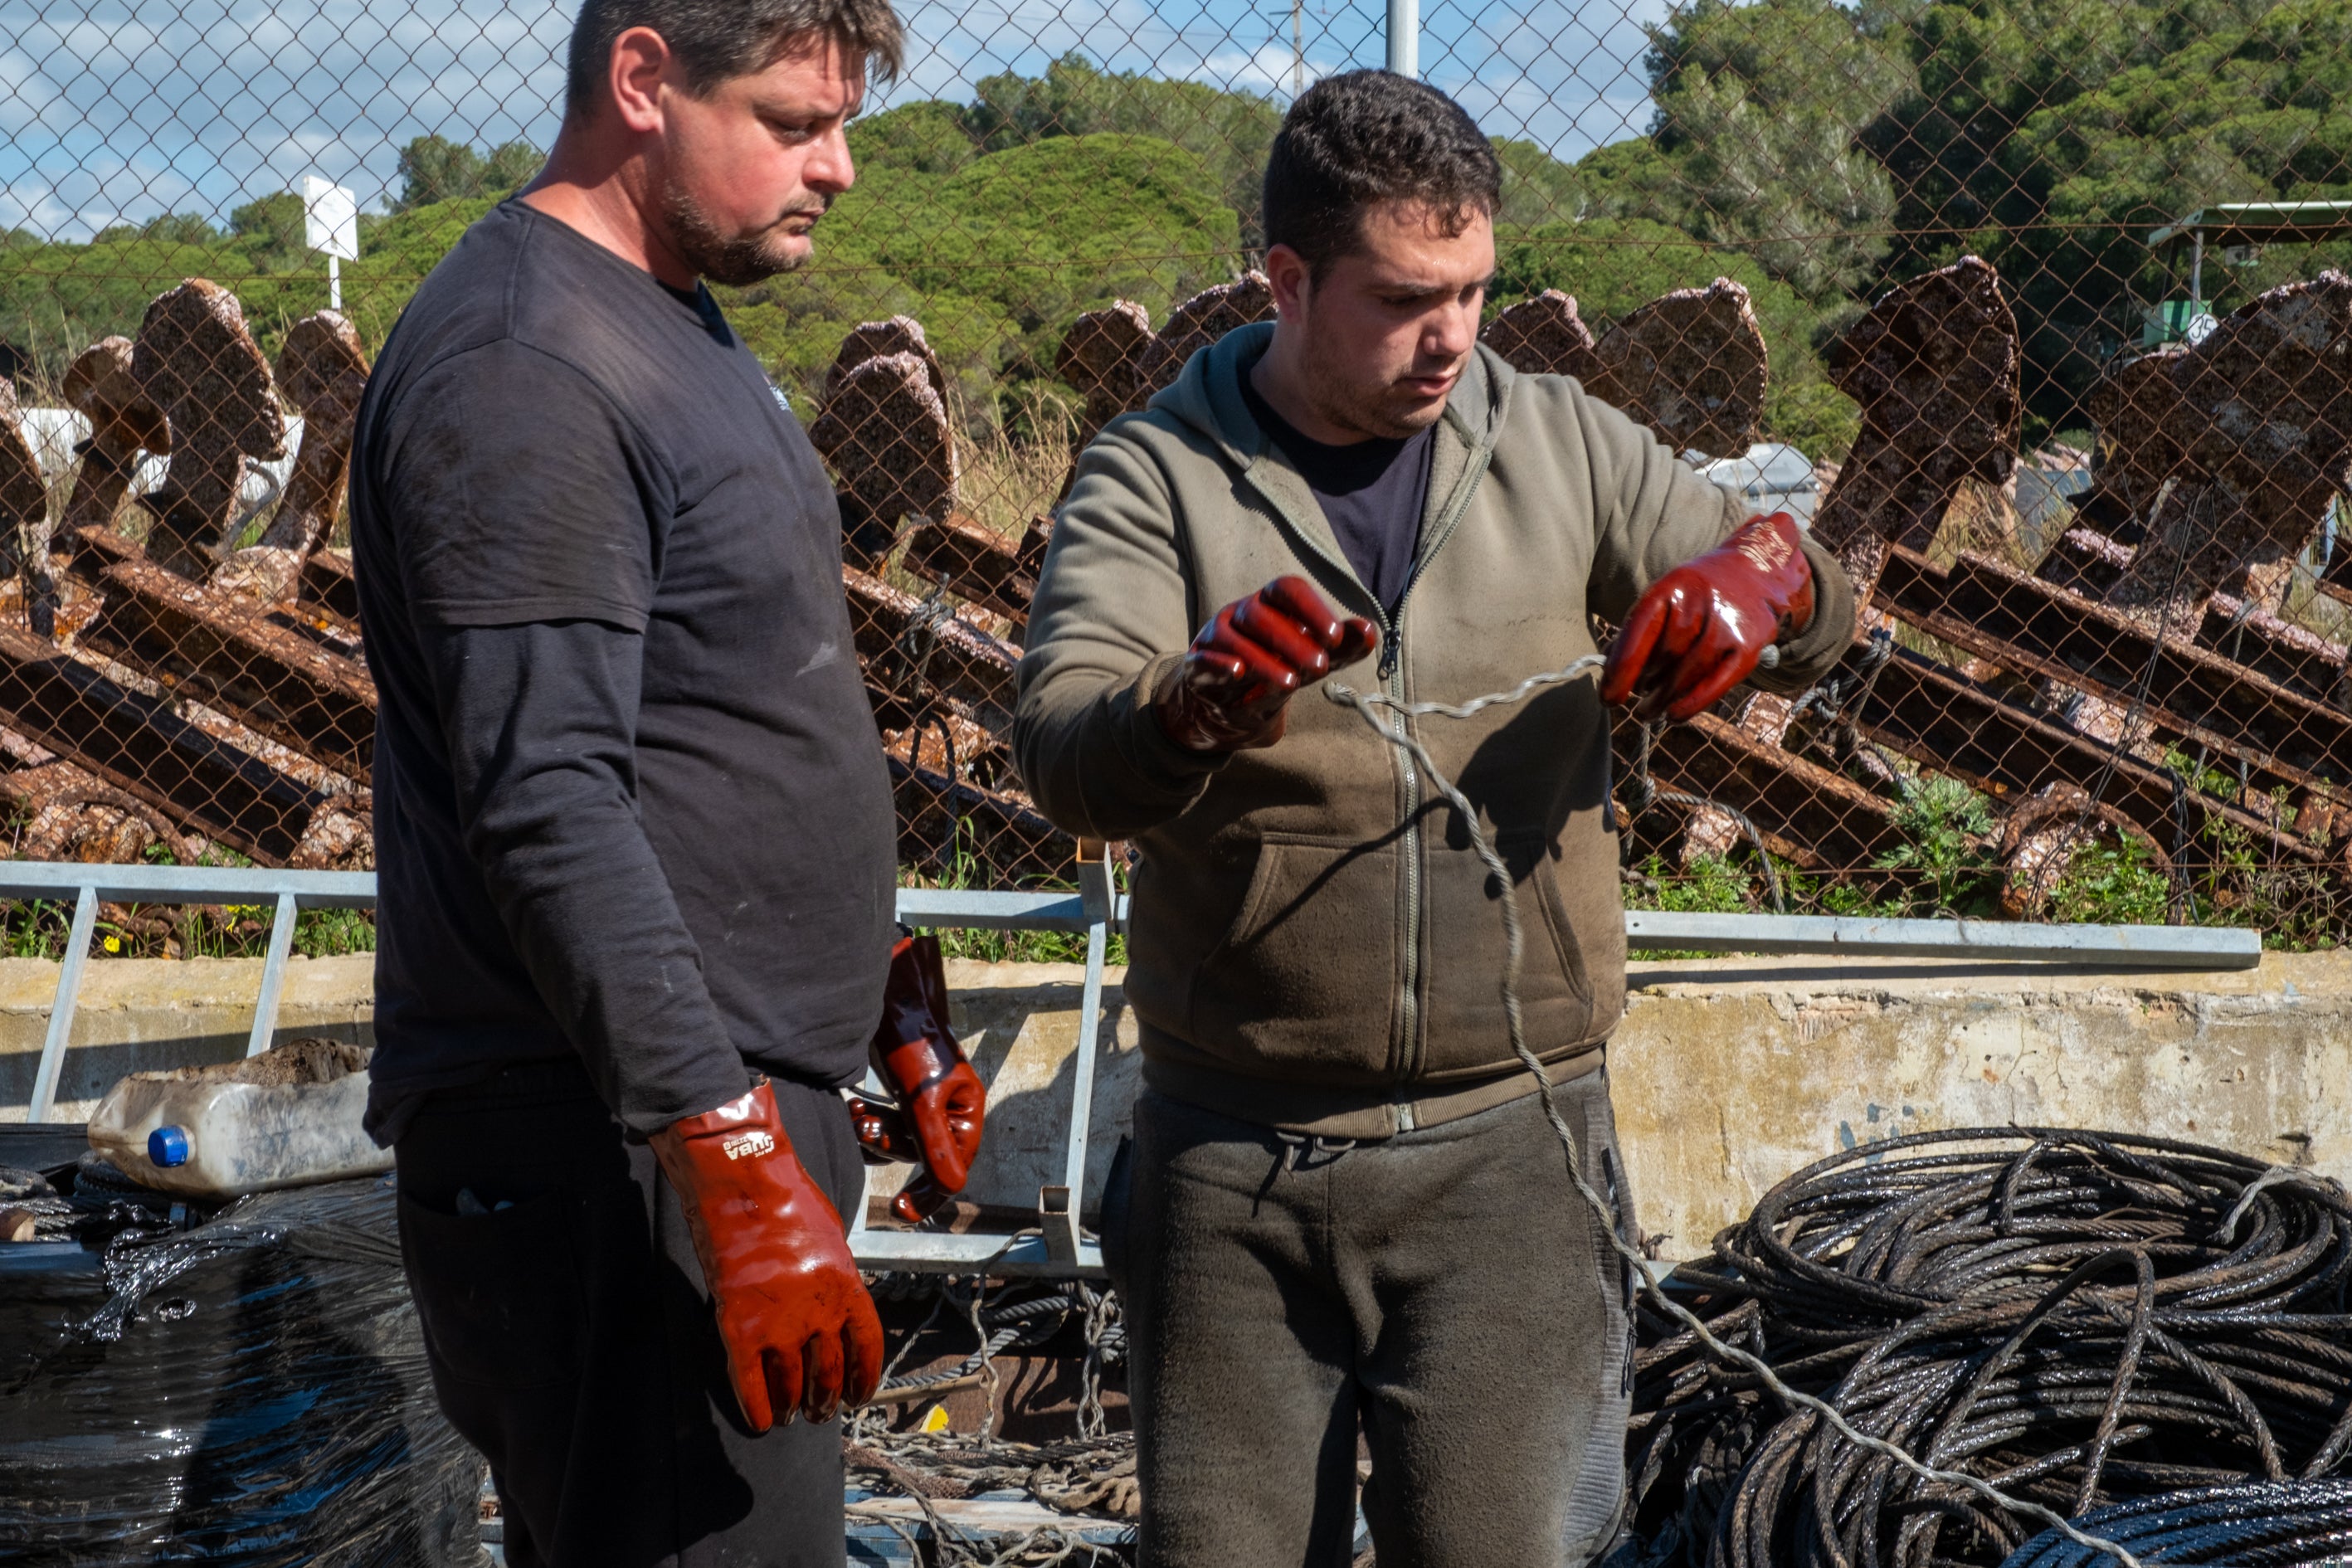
(272, 225)
(1755, 144)
(2049, 139)
(1945, 864)
(2106, 883)
(997, 258)
(436, 169)
(1814, 417)
(926, 138)
(1538, 188)
(180, 228)
(1230, 132)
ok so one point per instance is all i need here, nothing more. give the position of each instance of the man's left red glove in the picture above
(942, 1104)
(1700, 629)
(800, 1330)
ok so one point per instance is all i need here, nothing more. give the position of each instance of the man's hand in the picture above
(942, 1104)
(1232, 691)
(1701, 628)
(801, 1332)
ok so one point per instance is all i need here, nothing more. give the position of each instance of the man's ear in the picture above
(1290, 277)
(640, 64)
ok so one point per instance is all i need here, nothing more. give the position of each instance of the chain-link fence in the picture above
(2024, 304)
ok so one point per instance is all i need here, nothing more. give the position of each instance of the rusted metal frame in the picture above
(973, 560)
(1804, 813)
(2018, 621)
(327, 581)
(940, 817)
(2085, 563)
(900, 635)
(196, 362)
(278, 681)
(1946, 721)
(136, 744)
(323, 372)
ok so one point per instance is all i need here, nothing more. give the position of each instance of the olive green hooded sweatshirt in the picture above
(1314, 944)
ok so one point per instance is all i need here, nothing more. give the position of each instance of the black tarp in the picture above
(247, 1386)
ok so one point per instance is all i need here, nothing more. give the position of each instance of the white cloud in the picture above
(122, 111)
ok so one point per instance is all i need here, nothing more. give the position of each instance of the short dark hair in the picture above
(716, 40)
(1369, 136)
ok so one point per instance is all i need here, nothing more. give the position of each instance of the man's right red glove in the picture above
(1703, 628)
(1233, 690)
(800, 1330)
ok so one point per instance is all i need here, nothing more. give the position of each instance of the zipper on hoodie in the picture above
(1392, 681)
(1390, 671)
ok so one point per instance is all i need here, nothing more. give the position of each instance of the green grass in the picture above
(40, 927)
(964, 871)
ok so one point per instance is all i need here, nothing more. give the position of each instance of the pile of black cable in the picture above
(2080, 1318)
(2264, 1524)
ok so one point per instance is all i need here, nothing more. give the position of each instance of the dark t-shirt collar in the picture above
(1328, 469)
(698, 299)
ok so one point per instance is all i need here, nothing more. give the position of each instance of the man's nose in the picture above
(829, 168)
(1452, 330)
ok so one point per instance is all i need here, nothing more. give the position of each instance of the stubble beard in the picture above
(1371, 410)
(733, 261)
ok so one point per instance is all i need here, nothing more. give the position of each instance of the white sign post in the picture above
(331, 222)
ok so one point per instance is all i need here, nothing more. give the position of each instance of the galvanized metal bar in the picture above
(969, 908)
(1063, 1232)
(273, 976)
(61, 1009)
(937, 1252)
(2129, 947)
(188, 884)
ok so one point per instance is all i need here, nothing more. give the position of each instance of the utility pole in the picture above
(1404, 36)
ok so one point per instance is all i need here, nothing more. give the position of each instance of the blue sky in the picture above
(116, 111)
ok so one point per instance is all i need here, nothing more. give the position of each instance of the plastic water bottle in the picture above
(286, 1118)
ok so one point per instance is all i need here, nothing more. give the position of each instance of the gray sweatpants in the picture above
(1446, 1289)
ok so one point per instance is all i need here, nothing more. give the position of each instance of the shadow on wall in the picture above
(1022, 1042)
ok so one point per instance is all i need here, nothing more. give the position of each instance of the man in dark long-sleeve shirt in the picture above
(635, 835)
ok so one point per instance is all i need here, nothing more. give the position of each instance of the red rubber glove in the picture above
(800, 1330)
(1700, 629)
(1232, 690)
(941, 1100)
(884, 1139)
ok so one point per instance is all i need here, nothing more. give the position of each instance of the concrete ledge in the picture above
(1728, 1073)
(137, 1014)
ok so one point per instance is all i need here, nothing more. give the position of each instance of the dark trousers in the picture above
(571, 1341)
(1444, 1290)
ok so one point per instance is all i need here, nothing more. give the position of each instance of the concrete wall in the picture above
(1728, 1073)
(140, 1014)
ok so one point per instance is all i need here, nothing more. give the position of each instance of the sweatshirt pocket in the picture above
(1468, 1029)
(1305, 980)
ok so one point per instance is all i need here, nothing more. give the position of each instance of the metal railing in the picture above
(1057, 1245)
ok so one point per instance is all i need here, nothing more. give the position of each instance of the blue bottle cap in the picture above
(168, 1146)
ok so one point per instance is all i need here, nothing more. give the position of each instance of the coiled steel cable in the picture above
(2076, 1316)
(1948, 1490)
(2266, 1524)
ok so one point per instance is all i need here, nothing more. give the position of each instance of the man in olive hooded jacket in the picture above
(1348, 1210)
